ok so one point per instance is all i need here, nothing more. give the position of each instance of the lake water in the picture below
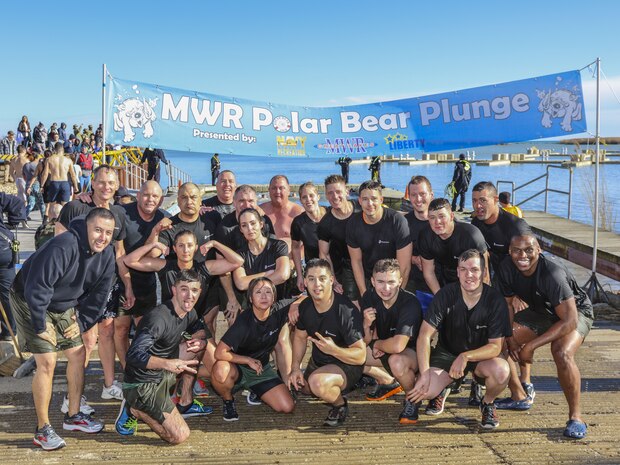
(258, 170)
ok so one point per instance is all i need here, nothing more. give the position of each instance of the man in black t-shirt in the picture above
(334, 326)
(221, 204)
(153, 363)
(443, 241)
(472, 321)
(375, 233)
(558, 312)
(496, 225)
(392, 318)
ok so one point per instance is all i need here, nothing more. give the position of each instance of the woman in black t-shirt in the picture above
(242, 355)
(304, 229)
(262, 256)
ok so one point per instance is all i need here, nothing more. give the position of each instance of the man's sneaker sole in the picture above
(487, 426)
(407, 421)
(230, 419)
(385, 396)
(82, 427)
(42, 445)
(250, 399)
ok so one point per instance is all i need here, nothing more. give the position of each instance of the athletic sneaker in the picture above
(230, 411)
(364, 382)
(47, 439)
(84, 407)
(489, 416)
(196, 409)
(409, 415)
(115, 391)
(200, 388)
(337, 415)
(126, 424)
(82, 422)
(509, 403)
(476, 394)
(529, 390)
(435, 406)
(253, 399)
(384, 391)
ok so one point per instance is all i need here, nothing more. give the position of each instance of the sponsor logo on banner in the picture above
(342, 146)
(291, 146)
(399, 142)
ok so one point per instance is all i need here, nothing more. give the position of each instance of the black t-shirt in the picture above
(499, 234)
(203, 228)
(220, 209)
(415, 227)
(228, 232)
(334, 231)
(379, 240)
(404, 317)
(159, 334)
(250, 337)
(462, 329)
(137, 232)
(550, 285)
(342, 322)
(77, 208)
(168, 274)
(266, 260)
(447, 252)
(305, 230)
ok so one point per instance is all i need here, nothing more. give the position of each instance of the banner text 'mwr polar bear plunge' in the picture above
(143, 114)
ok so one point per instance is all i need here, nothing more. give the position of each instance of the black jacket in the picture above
(65, 273)
(15, 211)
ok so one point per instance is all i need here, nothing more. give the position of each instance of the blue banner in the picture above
(141, 114)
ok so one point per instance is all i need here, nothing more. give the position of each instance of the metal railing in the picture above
(176, 177)
(544, 191)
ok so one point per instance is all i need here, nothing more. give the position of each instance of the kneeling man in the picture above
(392, 318)
(153, 363)
(472, 321)
(334, 326)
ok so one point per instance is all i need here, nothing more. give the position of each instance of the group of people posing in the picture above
(415, 301)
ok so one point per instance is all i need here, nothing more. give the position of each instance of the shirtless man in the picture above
(15, 168)
(59, 172)
(280, 210)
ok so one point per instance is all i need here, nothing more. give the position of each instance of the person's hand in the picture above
(420, 390)
(204, 209)
(73, 330)
(417, 261)
(130, 298)
(457, 370)
(296, 380)
(255, 365)
(232, 310)
(293, 314)
(513, 348)
(526, 354)
(377, 353)
(49, 334)
(179, 366)
(163, 225)
(370, 315)
(204, 248)
(518, 305)
(84, 197)
(300, 283)
(324, 344)
(338, 287)
(195, 345)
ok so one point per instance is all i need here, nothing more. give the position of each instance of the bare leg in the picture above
(521, 335)
(225, 375)
(106, 350)
(327, 384)
(404, 367)
(42, 386)
(279, 399)
(89, 338)
(75, 377)
(122, 324)
(187, 379)
(563, 351)
(496, 373)
(173, 430)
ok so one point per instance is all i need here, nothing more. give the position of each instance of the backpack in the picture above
(44, 233)
(86, 161)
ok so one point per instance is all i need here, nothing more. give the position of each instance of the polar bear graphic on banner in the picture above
(561, 103)
(135, 113)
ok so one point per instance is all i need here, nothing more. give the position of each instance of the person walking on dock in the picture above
(215, 168)
(153, 157)
(460, 180)
(344, 163)
(375, 169)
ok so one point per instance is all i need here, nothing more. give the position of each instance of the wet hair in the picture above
(415, 180)
(99, 212)
(183, 233)
(485, 186)
(318, 263)
(256, 282)
(438, 204)
(504, 197)
(243, 188)
(334, 179)
(372, 185)
(307, 185)
(188, 276)
(386, 265)
(472, 253)
(279, 176)
(254, 212)
(104, 169)
(59, 148)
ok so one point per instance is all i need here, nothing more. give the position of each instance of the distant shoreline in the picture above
(591, 140)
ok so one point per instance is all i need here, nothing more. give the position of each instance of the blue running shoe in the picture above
(197, 409)
(510, 404)
(126, 424)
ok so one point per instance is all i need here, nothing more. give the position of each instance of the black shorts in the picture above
(353, 373)
(152, 398)
(58, 191)
(540, 323)
(442, 358)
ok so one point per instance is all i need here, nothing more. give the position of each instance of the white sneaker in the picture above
(84, 407)
(115, 391)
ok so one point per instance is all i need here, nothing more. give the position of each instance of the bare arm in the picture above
(231, 260)
(428, 270)
(404, 260)
(277, 276)
(392, 345)
(72, 177)
(355, 354)
(141, 259)
(569, 316)
(45, 175)
(296, 252)
(358, 268)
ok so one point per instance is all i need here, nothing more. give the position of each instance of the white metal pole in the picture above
(105, 72)
(596, 163)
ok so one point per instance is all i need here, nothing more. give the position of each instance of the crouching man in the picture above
(472, 321)
(153, 363)
(334, 326)
(392, 318)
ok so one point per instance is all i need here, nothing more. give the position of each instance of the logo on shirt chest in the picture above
(382, 242)
(327, 333)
